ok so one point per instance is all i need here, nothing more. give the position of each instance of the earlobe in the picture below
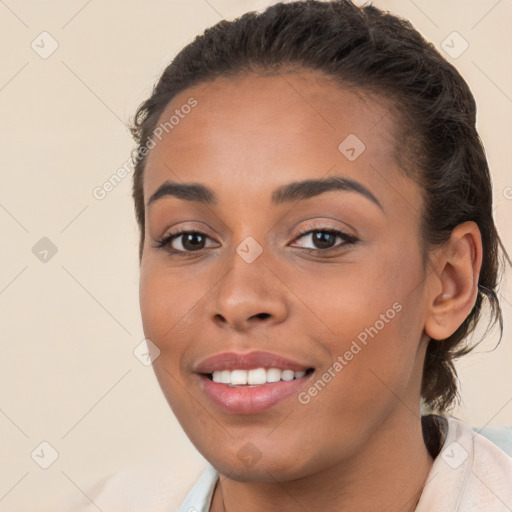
(456, 274)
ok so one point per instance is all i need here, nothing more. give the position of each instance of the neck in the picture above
(387, 474)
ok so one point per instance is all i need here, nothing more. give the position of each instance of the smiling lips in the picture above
(250, 383)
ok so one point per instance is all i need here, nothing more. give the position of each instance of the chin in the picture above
(242, 467)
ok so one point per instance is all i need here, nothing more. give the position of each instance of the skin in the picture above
(357, 445)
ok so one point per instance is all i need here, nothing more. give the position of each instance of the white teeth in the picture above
(258, 376)
(273, 375)
(288, 375)
(238, 377)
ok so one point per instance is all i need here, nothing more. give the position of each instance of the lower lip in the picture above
(251, 400)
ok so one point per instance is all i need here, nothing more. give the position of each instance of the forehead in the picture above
(272, 129)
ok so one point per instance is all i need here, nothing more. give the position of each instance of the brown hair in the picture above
(382, 54)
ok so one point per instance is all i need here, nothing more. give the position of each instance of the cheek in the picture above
(373, 325)
(167, 302)
(361, 294)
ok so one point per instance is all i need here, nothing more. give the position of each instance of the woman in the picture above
(317, 244)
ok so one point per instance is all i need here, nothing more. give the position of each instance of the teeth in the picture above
(225, 377)
(258, 376)
(273, 375)
(288, 375)
(238, 377)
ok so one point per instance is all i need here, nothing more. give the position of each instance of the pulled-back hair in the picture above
(436, 143)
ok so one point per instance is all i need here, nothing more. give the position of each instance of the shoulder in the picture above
(483, 445)
(471, 472)
(491, 474)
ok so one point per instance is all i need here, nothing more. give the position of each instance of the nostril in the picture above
(262, 315)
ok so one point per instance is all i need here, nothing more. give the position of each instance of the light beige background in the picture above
(69, 325)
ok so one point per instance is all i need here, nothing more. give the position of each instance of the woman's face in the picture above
(328, 277)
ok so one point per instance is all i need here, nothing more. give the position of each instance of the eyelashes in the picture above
(190, 238)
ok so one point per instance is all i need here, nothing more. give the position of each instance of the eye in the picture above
(324, 239)
(183, 242)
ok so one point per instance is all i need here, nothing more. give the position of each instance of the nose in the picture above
(249, 295)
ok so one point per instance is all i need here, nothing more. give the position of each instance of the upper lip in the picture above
(247, 361)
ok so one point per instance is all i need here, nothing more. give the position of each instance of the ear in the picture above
(453, 284)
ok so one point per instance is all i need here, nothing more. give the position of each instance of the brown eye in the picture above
(183, 242)
(324, 239)
(191, 241)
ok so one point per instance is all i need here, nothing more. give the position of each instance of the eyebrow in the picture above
(298, 190)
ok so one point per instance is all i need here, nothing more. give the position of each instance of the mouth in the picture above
(244, 391)
(251, 382)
